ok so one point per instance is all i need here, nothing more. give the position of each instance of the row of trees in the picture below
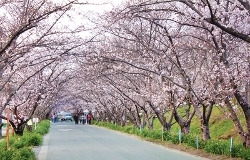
(37, 49)
(170, 60)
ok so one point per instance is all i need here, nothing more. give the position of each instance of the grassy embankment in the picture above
(222, 130)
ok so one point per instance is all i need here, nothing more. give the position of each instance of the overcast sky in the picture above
(84, 14)
(102, 5)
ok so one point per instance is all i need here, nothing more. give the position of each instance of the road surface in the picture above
(69, 141)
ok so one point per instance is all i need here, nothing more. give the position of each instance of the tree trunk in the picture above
(244, 136)
(133, 116)
(151, 123)
(185, 127)
(144, 120)
(19, 128)
(19, 131)
(184, 124)
(205, 131)
(159, 115)
(123, 118)
(204, 117)
(206, 114)
(247, 141)
(1, 125)
(246, 110)
(205, 121)
(169, 123)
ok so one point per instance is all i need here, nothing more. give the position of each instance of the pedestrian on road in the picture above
(83, 119)
(54, 118)
(76, 118)
(80, 119)
(89, 118)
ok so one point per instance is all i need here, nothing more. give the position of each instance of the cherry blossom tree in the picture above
(32, 39)
(201, 61)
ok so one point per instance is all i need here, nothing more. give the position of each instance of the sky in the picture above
(102, 5)
(84, 14)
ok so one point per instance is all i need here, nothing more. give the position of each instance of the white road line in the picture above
(65, 130)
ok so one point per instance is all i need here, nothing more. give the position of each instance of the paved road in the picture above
(67, 141)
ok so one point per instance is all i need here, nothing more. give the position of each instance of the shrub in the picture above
(41, 130)
(6, 154)
(217, 147)
(19, 144)
(43, 127)
(145, 133)
(202, 144)
(166, 136)
(239, 151)
(128, 129)
(244, 153)
(190, 140)
(35, 140)
(156, 134)
(3, 143)
(173, 138)
(24, 154)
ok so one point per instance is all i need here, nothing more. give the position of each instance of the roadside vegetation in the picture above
(20, 147)
(224, 138)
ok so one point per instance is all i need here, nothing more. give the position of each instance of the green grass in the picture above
(221, 131)
(21, 146)
(221, 126)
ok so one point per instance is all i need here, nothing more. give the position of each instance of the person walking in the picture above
(80, 119)
(76, 118)
(89, 118)
(54, 118)
(83, 119)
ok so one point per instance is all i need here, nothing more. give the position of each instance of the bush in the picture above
(42, 127)
(156, 134)
(202, 144)
(128, 129)
(6, 154)
(173, 138)
(190, 140)
(145, 133)
(166, 136)
(244, 153)
(239, 151)
(217, 147)
(34, 140)
(20, 146)
(3, 143)
(24, 154)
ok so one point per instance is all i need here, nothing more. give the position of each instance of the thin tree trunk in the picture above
(237, 124)
(204, 117)
(159, 115)
(1, 125)
(246, 110)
